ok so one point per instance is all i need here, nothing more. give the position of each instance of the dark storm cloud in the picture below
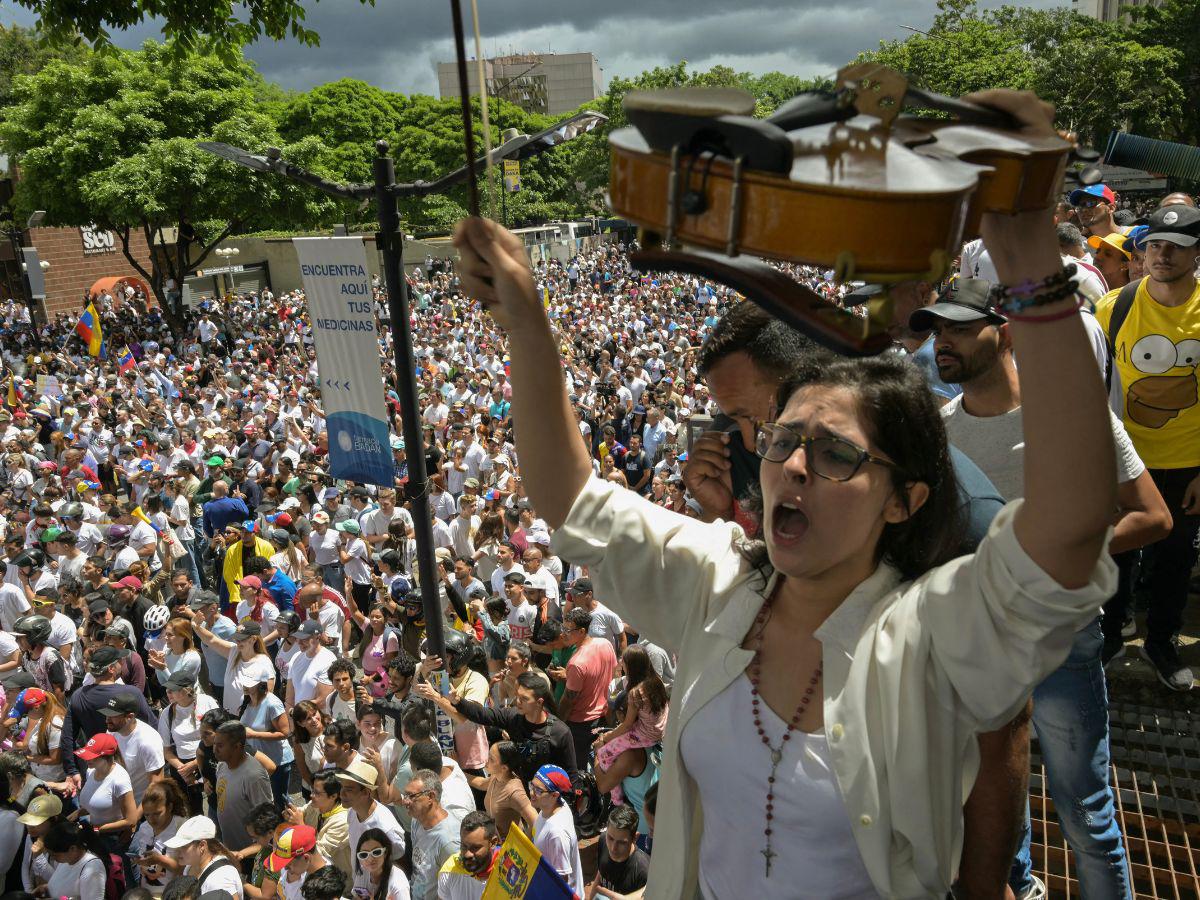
(397, 43)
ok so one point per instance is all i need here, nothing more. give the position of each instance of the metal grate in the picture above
(1156, 777)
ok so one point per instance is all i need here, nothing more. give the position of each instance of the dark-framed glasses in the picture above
(833, 458)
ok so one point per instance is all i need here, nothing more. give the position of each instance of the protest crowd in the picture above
(212, 650)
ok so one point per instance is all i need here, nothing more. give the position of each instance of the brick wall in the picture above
(71, 272)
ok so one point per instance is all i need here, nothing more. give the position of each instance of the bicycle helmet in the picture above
(117, 534)
(35, 629)
(71, 511)
(156, 618)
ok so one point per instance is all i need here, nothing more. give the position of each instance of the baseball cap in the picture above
(1136, 237)
(281, 519)
(197, 828)
(130, 581)
(203, 599)
(214, 460)
(119, 705)
(51, 534)
(290, 841)
(309, 629)
(289, 503)
(247, 630)
(279, 535)
(181, 681)
(966, 300)
(98, 606)
(330, 493)
(1116, 240)
(41, 808)
(349, 527)
(1095, 191)
(320, 517)
(516, 578)
(360, 773)
(471, 483)
(580, 586)
(103, 744)
(103, 657)
(862, 294)
(539, 536)
(251, 581)
(1176, 224)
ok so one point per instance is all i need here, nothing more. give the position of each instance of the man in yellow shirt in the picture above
(1155, 332)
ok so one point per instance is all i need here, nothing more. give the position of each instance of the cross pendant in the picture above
(768, 853)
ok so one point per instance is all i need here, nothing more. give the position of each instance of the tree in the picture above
(111, 141)
(24, 52)
(1174, 25)
(189, 25)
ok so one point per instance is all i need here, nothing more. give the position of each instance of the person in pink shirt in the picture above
(589, 672)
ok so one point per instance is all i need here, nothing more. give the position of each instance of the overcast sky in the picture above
(397, 43)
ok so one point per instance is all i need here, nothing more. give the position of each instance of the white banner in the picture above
(338, 288)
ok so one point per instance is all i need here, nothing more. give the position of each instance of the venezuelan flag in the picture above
(521, 874)
(89, 330)
(125, 361)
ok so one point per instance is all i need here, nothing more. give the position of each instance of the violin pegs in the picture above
(1085, 155)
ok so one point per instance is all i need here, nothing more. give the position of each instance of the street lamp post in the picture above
(227, 254)
(390, 241)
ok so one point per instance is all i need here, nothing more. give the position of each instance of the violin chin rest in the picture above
(780, 295)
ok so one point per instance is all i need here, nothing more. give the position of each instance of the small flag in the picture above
(521, 874)
(507, 366)
(545, 297)
(126, 361)
(14, 399)
(89, 330)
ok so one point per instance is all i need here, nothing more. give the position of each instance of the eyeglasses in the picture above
(377, 853)
(536, 790)
(1088, 202)
(406, 797)
(829, 457)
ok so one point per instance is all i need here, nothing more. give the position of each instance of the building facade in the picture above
(548, 83)
(1107, 10)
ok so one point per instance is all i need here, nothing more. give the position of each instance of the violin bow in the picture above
(464, 93)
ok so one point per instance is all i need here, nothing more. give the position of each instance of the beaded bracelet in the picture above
(1053, 317)
(1029, 294)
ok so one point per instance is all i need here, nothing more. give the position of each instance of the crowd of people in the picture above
(213, 652)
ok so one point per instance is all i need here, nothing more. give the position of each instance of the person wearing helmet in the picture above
(464, 660)
(42, 518)
(286, 626)
(39, 659)
(35, 576)
(123, 556)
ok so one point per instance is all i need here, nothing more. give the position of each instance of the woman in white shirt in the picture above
(376, 875)
(180, 653)
(165, 809)
(42, 736)
(247, 660)
(179, 728)
(205, 858)
(80, 869)
(107, 795)
(856, 605)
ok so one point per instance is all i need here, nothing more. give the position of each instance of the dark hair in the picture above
(234, 730)
(536, 682)
(522, 647)
(255, 565)
(418, 723)
(341, 664)
(299, 713)
(182, 887)
(329, 782)
(510, 756)
(217, 717)
(65, 835)
(497, 605)
(639, 671)
(477, 819)
(343, 731)
(329, 882)
(264, 819)
(580, 618)
(425, 755)
(405, 664)
(624, 818)
(379, 836)
(772, 345)
(902, 419)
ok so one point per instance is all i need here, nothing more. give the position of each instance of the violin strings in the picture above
(464, 93)
(483, 108)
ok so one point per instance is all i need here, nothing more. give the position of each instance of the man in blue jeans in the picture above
(1070, 707)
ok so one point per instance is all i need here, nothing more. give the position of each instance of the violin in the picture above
(843, 180)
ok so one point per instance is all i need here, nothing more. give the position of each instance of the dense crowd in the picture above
(213, 652)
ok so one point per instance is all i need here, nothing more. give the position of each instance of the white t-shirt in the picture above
(521, 619)
(331, 619)
(182, 726)
(305, 673)
(101, 797)
(358, 569)
(363, 889)
(142, 749)
(241, 674)
(13, 604)
(997, 445)
(144, 839)
(44, 772)
(555, 838)
(83, 880)
(381, 817)
(223, 878)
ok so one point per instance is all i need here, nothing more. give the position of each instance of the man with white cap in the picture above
(359, 782)
(195, 845)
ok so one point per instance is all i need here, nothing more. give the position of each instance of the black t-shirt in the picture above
(624, 877)
(635, 466)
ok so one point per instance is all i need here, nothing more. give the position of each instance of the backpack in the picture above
(114, 876)
(1120, 312)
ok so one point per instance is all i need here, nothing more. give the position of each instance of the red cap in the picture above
(103, 744)
(34, 697)
(251, 581)
(291, 841)
(130, 581)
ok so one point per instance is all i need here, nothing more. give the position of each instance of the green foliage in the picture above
(111, 140)
(1099, 75)
(189, 26)
(1175, 25)
(24, 52)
